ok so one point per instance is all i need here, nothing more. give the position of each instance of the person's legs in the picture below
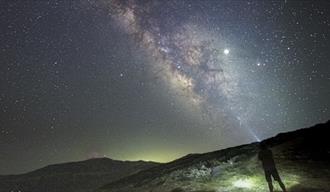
(277, 178)
(269, 180)
(282, 185)
(270, 185)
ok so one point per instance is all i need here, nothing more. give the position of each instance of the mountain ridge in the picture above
(78, 176)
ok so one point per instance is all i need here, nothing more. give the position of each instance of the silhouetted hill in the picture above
(80, 176)
(302, 157)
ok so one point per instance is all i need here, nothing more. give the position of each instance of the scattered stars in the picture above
(113, 71)
(261, 64)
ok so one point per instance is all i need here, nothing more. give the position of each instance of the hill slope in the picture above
(83, 176)
(302, 158)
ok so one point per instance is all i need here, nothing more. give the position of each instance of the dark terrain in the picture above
(80, 176)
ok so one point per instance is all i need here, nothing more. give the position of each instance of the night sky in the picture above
(156, 80)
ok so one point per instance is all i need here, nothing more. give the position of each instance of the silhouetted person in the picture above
(266, 157)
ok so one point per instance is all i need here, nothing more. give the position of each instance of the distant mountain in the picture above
(83, 176)
(302, 158)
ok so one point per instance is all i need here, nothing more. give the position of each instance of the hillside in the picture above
(302, 158)
(83, 176)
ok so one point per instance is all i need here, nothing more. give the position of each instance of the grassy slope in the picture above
(302, 157)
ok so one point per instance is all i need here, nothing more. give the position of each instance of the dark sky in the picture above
(155, 80)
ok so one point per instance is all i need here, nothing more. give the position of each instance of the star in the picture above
(226, 51)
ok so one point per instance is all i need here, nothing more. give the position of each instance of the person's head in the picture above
(263, 146)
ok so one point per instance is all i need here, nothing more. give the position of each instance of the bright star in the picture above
(226, 51)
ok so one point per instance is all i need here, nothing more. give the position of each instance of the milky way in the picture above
(194, 61)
